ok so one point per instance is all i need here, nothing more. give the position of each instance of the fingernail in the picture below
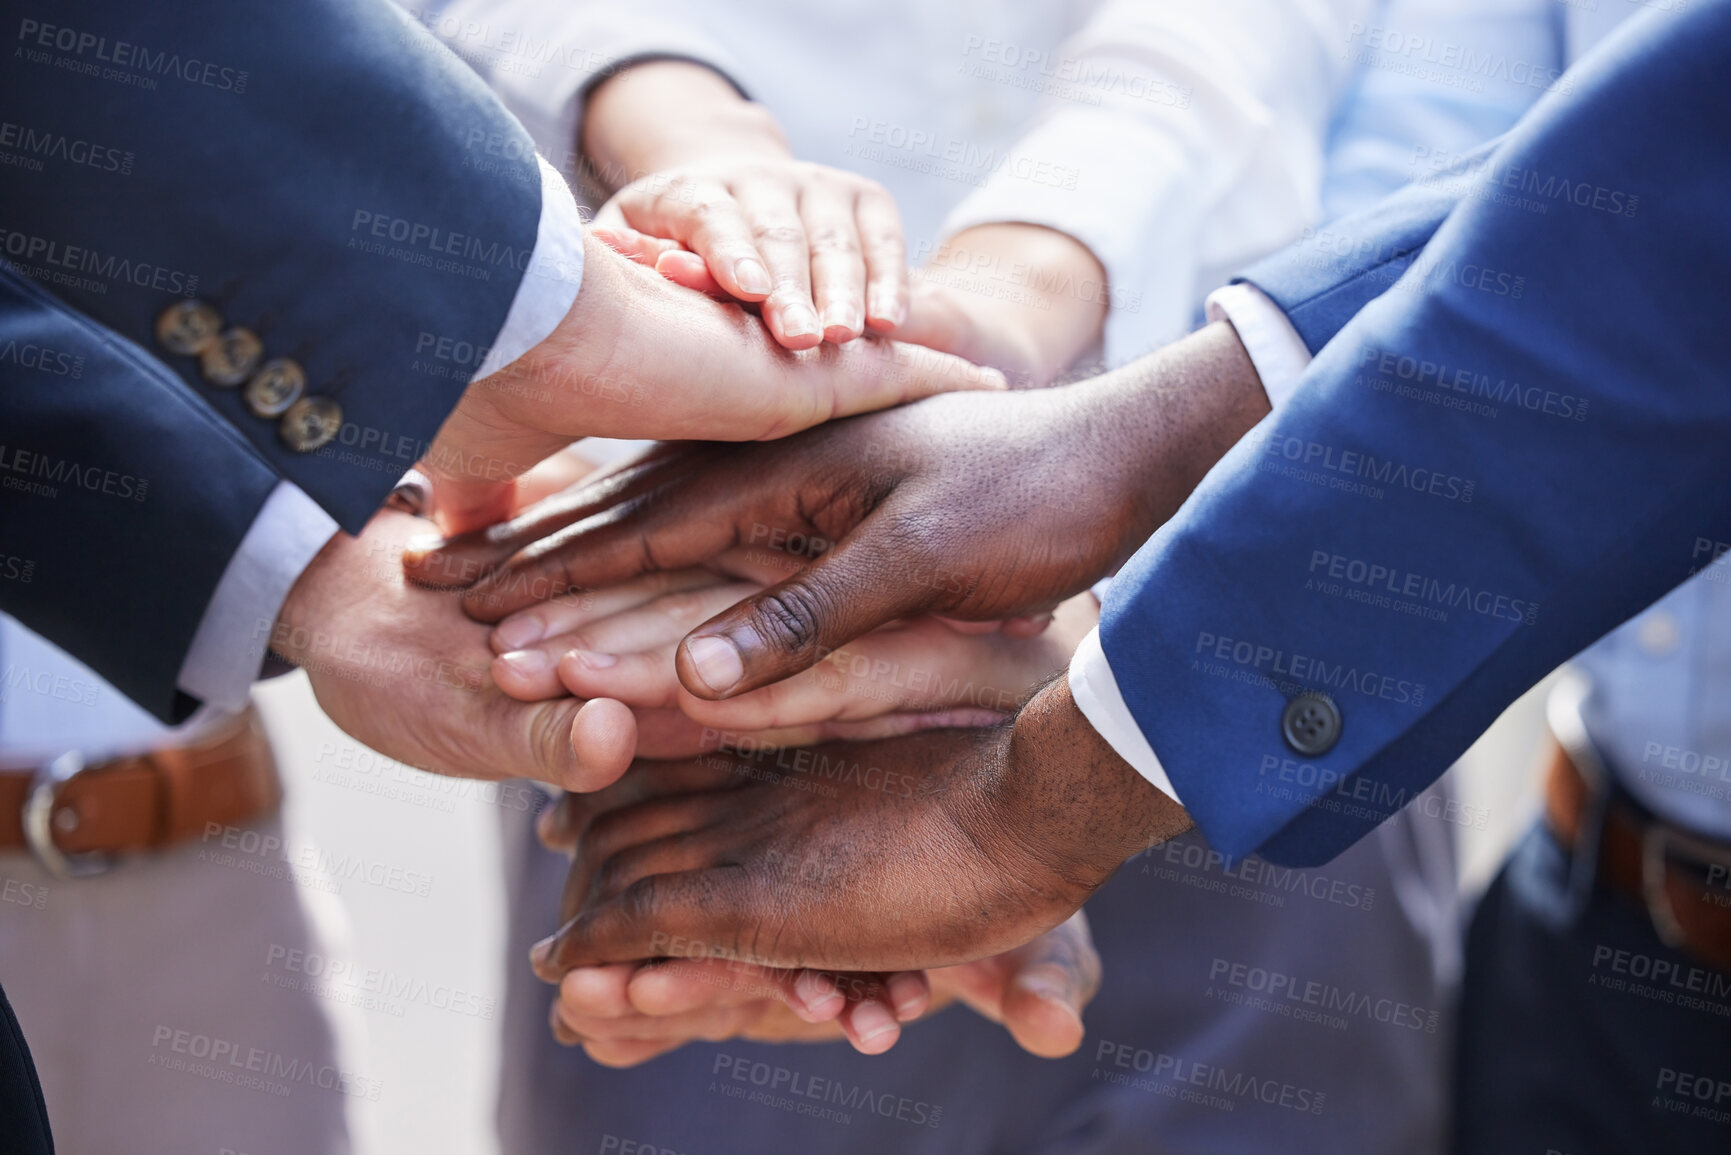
(885, 306)
(716, 662)
(752, 276)
(525, 662)
(873, 1021)
(799, 321)
(1048, 987)
(423, 544)
(516, 633)
(541, 952)
(817, 994)
(595, 661)
(840, 317)
(908, 995)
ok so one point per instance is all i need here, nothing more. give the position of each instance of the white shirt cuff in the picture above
(1096, 693)
(229, 646)
(1278, 352)
(549, 287)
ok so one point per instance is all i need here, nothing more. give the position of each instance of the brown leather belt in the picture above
(1682, 879)
(73, 817)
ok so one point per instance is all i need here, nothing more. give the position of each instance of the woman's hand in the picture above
(820, 249)
(705, 189)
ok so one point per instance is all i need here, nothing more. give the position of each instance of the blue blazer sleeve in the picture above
(323, 172)
(1498, 460)
(1324, 280)
(122, 493)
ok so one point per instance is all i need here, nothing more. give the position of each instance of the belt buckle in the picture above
(1654, 871)
(39, 822)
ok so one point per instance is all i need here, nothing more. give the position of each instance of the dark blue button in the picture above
(1311, 724)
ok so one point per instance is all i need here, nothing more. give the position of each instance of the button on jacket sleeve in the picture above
(234, 632)
(121, 528)
(329, 178)
(327, 181)
(1370, 545)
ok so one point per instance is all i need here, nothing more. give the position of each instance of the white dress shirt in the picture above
(1197, 150)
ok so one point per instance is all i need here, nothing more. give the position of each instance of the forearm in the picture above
(1043, 286)
(661, 113)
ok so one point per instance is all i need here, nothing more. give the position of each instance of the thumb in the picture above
(578, 746)
(878, 374)
(475, 460)
(641, 248)
(1053, 979)
(1039, 990)
(844, 594)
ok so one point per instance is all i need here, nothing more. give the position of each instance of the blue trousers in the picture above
(1581, 1031)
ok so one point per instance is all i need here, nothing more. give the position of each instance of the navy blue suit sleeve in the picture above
(1325, 279)
(324, 173)
(122, 495)
(1501, 458)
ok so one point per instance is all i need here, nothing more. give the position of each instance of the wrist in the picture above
(653, 116)
(1166, 419)
(1044, 287)
(559, 378)
(299, 628)
(1069, 797)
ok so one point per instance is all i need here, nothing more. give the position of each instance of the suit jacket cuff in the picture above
(1275, 348)
(1095, 691)
(232, 637)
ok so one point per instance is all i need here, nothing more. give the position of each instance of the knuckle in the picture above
(835, 241)
(781, 233)
(612, 875)
(884, 240)
(792, 618)
(706, 209)
(641, 900)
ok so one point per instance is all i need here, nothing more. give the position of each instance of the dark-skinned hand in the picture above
(979, 506)
(923, 851)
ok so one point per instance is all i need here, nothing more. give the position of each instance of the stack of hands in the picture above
(798, 666)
